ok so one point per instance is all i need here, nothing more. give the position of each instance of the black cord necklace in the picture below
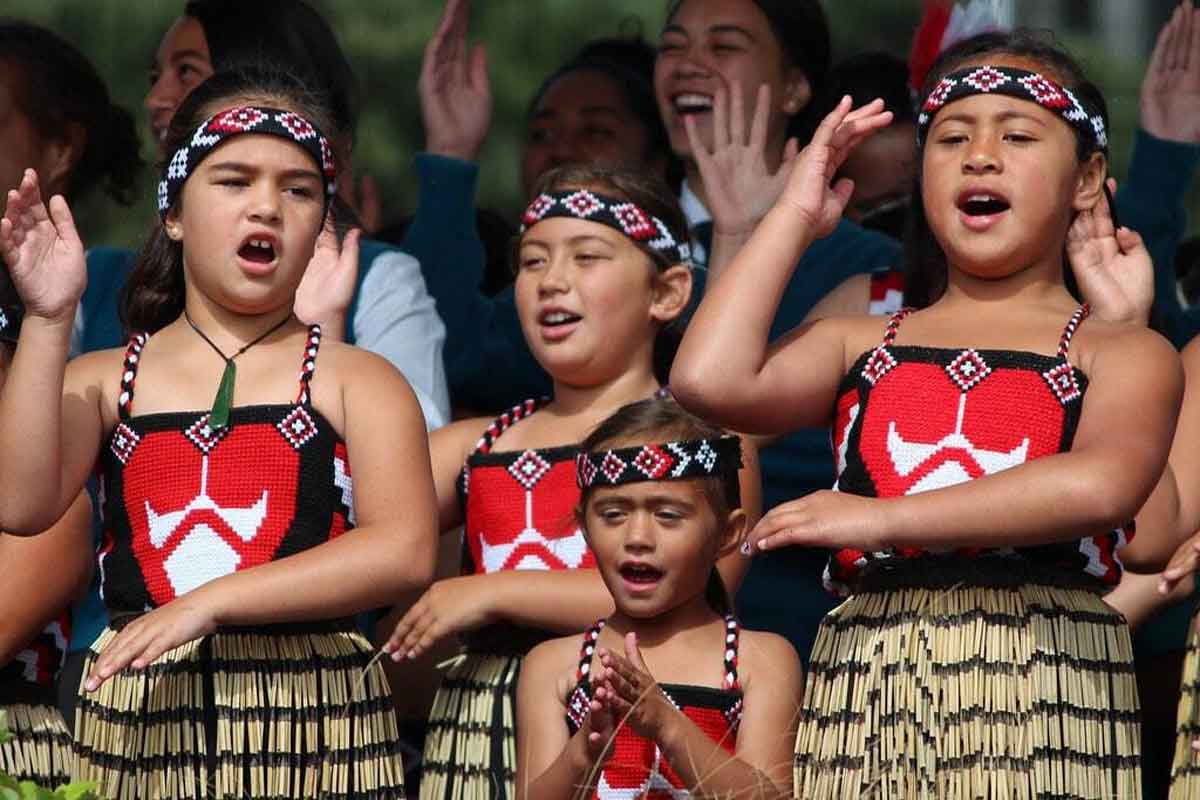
(219, 416)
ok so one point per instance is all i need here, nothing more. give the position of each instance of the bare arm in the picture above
(1138, 598)
(449, 448)
(1100, 483)
(391, 551)
(43, 575)
(726, 370)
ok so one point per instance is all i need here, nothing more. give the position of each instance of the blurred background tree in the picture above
(526, 39)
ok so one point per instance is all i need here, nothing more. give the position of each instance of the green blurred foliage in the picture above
(526, 39)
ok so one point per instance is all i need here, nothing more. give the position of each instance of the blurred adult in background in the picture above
(596, 109)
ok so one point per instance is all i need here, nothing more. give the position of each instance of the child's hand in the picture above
(327, 289)
(1113, 268)
(740, 187)
(180, 621)
(600, 726)
(808, 191)
(822, 519)
(1181, 565)
(43, 252)
(631, 691)
(447, 608)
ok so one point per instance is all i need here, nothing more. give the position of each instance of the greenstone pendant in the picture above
(218, 418)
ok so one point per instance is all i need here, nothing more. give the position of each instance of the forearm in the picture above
(364, 569)
(32, 497)
(560, 601)
(707, 769)
(1160, 527)
(1137, 597)
(725, 247)
(1057, 498)
(571, 775)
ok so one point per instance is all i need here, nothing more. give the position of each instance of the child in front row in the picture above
(668, 694)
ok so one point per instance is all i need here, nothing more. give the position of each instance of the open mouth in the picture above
(979, 204)
(257, 251)
(692, 103)
(641, 574)
(557, 319)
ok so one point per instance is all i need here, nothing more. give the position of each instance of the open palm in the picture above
(42, 250)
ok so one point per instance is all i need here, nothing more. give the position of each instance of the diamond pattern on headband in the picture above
(1047, 93)
(987, 79)
(583, 204)
(612, 466)
(702, 458)
(300, 127)
(636, 223)
(653, 462)
(622, 215)
(938, 96)
(540, 206)
(237, 120)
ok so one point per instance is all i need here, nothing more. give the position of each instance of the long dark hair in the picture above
(802, 31)
(58, 89)
(660, 420)
(651, 195)
(154, 295)
(289, 33)
(925, 266)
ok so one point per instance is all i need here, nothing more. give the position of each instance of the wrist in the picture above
(463, 151)
(669, 728)
(54, 329)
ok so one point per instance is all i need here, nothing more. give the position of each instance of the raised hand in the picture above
(739, 184)
(327, 288)
(42, 250)
(1170, 96)
(456, 97)
(1113, 268)
(809, 190)
(448, 607)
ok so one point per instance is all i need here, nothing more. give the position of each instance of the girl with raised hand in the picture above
(668, 694)
(229, 568)
(42, 575)
(980, 502)
(602, 269)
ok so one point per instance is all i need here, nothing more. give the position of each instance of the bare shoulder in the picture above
(767, 657)
(1191, 357)
(459, 438)
(1099, 342)
(553, 663)
(349, 362)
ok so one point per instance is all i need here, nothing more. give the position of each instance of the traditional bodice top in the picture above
(36, 667)
(910, 419)
(184, 504)
(636, 767)
(519, 506)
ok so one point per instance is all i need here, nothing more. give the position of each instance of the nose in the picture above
(163, 94)
(554, 278)
(639, 533)
(264, 202)
(982, 157)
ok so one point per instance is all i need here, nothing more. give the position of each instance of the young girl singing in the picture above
(602, 268)
(980, 500)
(668, 694)
(229, 568)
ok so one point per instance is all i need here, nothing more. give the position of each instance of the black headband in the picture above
(700, 458)
(626, 217)
(1087, 122)
(234, 122)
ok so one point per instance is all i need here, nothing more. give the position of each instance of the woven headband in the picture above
(234, 122)
(622, 215)
(1087, 122)
(700, 458)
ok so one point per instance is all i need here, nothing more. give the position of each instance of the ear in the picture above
(797, 91)
(672, 291)
(60, 155)
(1090, 186)
(171, 225)
(737, 525)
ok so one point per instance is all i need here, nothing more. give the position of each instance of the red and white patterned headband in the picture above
(1087, 122)
(234, 122)
(621, 215)
(699, 458)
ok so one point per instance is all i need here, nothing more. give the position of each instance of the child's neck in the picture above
(628, 387)
(230, 330)
(654, 631)
(1037, 285)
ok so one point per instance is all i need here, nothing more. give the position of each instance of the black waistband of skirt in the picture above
(20, 692)
(505, 639)
(119, 619)
(992, 572)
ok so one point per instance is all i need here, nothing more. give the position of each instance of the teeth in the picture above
(265, 245)
(556, 317)
(687, 101)
(981, 198)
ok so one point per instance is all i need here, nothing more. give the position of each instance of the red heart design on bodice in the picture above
(195, 518)
(921, 430)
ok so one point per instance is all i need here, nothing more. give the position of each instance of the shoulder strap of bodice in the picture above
(133, 357)
(1064, 341)
(893, 326)
(586, 650)
(308, 365)
(732, 631)
(505, 421)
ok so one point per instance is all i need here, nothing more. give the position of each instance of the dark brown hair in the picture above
(654, 197)
(153, 296)
(661, 419)
(925, 266)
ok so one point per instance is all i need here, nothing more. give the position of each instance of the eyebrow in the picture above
(574, 240)
(731, 28)
(247, 169)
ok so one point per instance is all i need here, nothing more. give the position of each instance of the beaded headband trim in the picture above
(1087, 122)
(234, 122)
(700, 458)
(621, 215)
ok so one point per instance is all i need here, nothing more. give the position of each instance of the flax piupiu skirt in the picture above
(279, 712)
(40, 747)
(947, 678)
